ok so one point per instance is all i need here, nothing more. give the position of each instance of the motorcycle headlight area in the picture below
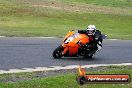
(69, 39)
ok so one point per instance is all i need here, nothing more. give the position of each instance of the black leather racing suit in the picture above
(94, 40)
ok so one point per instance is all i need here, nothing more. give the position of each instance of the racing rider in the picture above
(95, 38)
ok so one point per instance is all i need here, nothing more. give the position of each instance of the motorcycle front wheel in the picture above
(57, 53)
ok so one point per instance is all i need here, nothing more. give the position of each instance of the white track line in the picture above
(43, 37)
(54, 68)
(26, 37)
(112, 39)
(2, 36)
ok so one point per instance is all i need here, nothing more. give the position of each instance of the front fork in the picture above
(65, 49)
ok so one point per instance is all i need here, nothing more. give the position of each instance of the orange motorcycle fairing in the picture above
(83, 38)
(68, 35)
(73, 50)
(72, 41)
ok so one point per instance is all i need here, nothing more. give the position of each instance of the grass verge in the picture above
(55, 18)
(111, 3)
(68, 80)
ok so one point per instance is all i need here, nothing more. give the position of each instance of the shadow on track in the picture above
(79, 59)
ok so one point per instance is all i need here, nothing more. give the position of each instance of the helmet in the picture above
(91, 29)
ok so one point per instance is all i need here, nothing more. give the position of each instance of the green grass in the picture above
(111, 3)
(45, 26)
(19, 18)
(68, 80)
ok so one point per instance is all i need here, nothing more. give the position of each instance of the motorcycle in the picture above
(72, 46)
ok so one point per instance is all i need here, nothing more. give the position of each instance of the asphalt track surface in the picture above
(17, 53)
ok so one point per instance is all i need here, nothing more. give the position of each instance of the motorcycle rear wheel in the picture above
(88, 56)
